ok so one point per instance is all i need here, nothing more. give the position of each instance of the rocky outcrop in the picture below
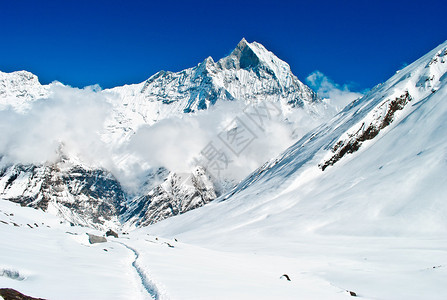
(81, 195)
(110, 232)
(178, 194)
(11, 294)
(96, 239)
(383, 116)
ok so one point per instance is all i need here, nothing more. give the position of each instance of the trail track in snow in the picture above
(148, 285)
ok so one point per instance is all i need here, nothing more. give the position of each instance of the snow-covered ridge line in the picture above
(420, 80)
(148, 285)
(351, 141)
(80, 195)
(18, 89)
(250, 73)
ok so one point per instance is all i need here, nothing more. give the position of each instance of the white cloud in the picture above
(74, 120)
(339, 95)
(70, 118)
(176, 142)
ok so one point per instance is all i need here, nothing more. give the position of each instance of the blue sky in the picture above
(111, 43)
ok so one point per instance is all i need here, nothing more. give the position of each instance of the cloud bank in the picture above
(339, 95)
(178, 143)
(70, 120)
(73, 122)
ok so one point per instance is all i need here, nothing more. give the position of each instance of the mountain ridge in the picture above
(250, 74)
(392, 184)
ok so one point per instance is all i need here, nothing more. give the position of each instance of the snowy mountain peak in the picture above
(24, 75)
(249, 74)
(18, 88)
(209, 59)
(242, 42)
(251, 55)
(10, 81)
(242, 57)
(204, 66)
(254, 57)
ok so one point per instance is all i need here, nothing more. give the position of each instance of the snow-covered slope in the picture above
(356, 207)
(44, 257)
(374, 220)
(390, 147)
(18, 89)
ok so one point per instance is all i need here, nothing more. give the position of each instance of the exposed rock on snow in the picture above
(110, 232)
(12, 274)
(381, 117)
(79, 194)
(285, 276)
(11, 294)
(96, 239)
(178, 194)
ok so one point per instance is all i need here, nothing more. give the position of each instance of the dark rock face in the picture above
(285, 276)
(11, 294)
(92, 197)
(85, 196)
